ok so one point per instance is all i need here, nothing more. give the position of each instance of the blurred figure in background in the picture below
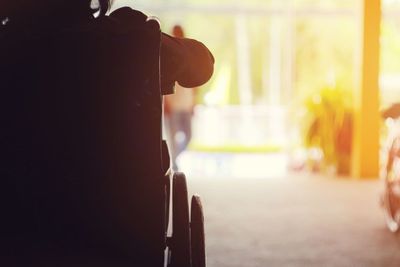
(179, 112)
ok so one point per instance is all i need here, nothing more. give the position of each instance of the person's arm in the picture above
(183, 60)
(186, 61)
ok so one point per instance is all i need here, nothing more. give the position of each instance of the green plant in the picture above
(329, 127)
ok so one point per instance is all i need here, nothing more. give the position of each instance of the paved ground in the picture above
(295, 221)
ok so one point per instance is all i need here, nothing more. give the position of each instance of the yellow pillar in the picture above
(365, 161)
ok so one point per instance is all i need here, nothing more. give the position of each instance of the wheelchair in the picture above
(106, 199)
(390, 169)
(186, 246)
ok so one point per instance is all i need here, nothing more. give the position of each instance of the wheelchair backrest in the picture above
(81, 138)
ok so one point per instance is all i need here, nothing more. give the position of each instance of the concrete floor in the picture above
(295, 221)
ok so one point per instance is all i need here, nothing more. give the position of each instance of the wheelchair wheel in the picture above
(167, 202)
(391, 213)
(197, 233)
(180, 246)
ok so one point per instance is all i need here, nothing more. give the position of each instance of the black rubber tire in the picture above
(180, 245)
(197, 233)
(167, 202)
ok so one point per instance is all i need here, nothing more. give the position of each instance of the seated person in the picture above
(76, 142)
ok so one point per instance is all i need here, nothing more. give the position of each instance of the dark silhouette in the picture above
(80, 140)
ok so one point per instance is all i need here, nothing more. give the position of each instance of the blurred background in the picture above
(280, 66)
(288, 141)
